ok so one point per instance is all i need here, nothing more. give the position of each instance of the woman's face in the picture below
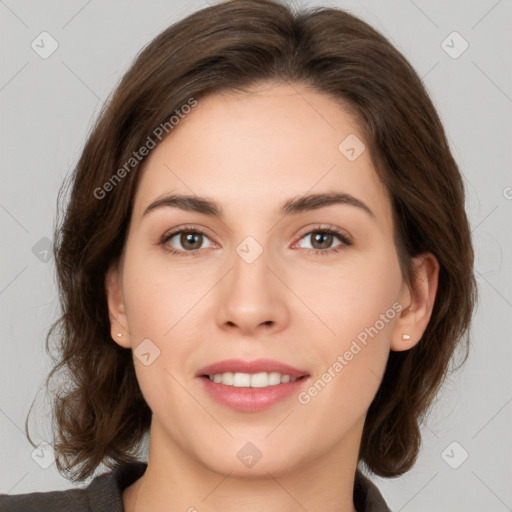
(263, 280)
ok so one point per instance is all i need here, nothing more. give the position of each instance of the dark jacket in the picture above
(104, 494)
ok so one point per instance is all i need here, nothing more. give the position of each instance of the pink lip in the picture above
(257, 366)
(251, 399)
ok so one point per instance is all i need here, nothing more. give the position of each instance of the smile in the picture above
(247, 380)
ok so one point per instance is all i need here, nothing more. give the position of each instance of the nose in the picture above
(252, 297)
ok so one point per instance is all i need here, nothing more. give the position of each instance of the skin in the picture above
(251, 153)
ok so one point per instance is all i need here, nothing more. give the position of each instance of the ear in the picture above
(417, 303)
(116, 310)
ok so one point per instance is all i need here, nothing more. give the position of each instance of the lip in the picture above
(256, 366)
(251, 399)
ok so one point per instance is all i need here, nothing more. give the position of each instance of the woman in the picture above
(265, 264)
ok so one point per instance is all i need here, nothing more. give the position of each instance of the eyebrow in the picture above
(292, 206)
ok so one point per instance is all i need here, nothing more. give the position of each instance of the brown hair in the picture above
(101, 415)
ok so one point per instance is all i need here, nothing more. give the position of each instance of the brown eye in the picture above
(324, 240)
(321, 241)
(191, 240)
(184, 241)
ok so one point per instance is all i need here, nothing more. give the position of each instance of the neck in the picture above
(175, 480)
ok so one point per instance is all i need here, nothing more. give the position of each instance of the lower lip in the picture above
(251, 399)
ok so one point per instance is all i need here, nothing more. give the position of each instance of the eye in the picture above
(185, 241)
(322, 239)
(188, 240)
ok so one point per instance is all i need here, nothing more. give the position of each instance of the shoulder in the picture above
(72, 499)
(367, 497)
(104, 493)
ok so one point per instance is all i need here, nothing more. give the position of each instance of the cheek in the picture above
(159, 305)
(164, 304)
(352, 361)
(357, 309)
(159, 298)
(353, 298)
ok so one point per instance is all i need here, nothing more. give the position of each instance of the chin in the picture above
(238, 465)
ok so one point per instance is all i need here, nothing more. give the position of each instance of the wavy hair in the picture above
(100, 415)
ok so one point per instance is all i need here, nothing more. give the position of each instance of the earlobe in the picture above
(116, 310)
(418, 302)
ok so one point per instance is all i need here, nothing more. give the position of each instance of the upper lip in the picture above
(256, 366)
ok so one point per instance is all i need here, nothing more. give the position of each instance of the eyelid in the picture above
(324, 227)
(185, 228)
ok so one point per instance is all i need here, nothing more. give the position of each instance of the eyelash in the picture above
(345, 242)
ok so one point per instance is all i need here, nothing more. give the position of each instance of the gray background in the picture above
(47, 108)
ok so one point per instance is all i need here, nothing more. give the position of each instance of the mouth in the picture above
(251, 386)
(254, 380)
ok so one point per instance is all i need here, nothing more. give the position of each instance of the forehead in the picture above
(253, 151)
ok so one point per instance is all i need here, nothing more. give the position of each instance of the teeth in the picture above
(248, 380)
